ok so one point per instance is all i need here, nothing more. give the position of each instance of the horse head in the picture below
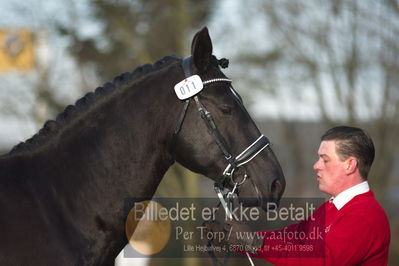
(216, 137)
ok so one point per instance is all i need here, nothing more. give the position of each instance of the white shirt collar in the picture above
(345, 196)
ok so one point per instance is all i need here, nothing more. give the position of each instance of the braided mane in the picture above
(127, 79)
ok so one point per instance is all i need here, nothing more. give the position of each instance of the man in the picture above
(355, 228)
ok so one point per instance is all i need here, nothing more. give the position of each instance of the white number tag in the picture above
(189, 87)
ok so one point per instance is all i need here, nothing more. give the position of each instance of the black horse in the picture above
(62, 191)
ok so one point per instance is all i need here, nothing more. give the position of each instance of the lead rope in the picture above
(229, 197)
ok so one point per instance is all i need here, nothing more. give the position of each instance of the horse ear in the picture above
(201, 49)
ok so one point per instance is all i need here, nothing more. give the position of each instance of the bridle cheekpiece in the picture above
(233, 161)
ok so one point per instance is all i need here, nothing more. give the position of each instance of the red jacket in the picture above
(357, 234)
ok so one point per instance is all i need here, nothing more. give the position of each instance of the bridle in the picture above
(234, 162)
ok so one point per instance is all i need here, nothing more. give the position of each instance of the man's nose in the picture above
(316, 165)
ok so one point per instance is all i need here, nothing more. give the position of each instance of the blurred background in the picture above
(300, 66)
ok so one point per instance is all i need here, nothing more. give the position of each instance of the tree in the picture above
(135, 32)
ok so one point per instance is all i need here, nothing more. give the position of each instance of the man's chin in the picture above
(321, 188)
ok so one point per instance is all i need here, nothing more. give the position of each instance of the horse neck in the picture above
(119, 150)
(124, 141)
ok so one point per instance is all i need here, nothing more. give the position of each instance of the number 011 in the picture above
(188, 87)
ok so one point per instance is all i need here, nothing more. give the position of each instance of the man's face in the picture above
(330, 169)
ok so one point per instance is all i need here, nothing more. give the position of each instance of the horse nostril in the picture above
(271, 206)
(274, 186)
(276, 189)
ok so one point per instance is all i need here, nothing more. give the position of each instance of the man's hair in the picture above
(352, 141)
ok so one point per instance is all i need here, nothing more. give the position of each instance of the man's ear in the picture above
(351, 165)
(201, 50)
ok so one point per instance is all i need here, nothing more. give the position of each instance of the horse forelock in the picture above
(127, 79)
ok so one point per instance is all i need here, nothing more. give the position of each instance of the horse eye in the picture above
(225, 109)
